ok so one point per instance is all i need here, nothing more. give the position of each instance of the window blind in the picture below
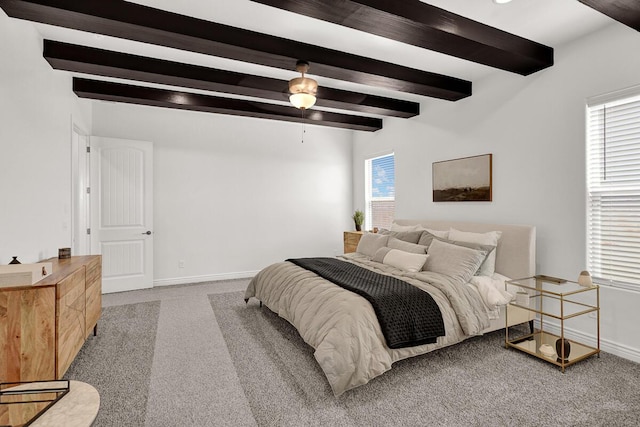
(380, 191)
(613, 192)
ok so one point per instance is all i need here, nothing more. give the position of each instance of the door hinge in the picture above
(88, 149)
(88, 231)
(88, 190)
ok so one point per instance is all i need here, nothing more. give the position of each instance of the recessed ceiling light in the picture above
(501, 1)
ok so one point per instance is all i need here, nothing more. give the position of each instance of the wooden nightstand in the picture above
(351, 240)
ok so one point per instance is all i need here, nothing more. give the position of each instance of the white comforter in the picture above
(492, 292)
(342, 326)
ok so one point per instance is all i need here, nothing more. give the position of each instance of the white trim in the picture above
(205, 278)
(618, 286)
(110, 287)
(608, 346)
(80, 180)
(613, 96)
(379, 154)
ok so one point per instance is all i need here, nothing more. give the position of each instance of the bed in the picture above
(342, 326)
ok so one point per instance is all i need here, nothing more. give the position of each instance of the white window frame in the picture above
(608, 234)
(368, 197)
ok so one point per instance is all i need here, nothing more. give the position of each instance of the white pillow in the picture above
(370, 243)
(397, 227)
(491, 238)
(400, 259)
(455, 261)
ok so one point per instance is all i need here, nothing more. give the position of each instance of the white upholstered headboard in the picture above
(516, 252)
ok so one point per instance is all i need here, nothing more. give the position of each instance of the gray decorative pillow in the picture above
(478, 246)
(370, 243)
(407, 236)
(426, 238)
(399, 259)
(489, 238)
(395, 243)
(380, 254)
(455, 261)
(491, 250)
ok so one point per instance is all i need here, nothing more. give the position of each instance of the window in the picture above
(380, 191)
(613, 190)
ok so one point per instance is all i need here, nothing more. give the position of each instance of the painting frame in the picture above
(467, 179)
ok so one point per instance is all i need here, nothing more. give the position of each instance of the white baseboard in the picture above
(588, 339)
(205, 278)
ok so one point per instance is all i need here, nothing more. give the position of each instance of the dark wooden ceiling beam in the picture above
(625, 11)
(132, 21)
(87, 60)
(141, 95)
(423, 25)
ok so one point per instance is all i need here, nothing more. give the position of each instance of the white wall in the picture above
(37, 108)
(535, 128)
(232, 194)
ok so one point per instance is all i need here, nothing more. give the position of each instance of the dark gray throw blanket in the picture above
(408, 316)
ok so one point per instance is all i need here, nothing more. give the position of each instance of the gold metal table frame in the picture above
(559, 299)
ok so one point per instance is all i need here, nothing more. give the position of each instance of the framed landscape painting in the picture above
(463, 180)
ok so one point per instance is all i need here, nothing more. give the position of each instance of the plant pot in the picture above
(358, 227)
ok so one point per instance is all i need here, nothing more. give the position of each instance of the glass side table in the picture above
(555, 301)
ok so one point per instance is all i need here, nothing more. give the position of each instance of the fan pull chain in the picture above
(303, 129)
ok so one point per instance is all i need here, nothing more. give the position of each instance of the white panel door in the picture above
(122, 214)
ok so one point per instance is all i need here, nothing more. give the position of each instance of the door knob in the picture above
(148, 233)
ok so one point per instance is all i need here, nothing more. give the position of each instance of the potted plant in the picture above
(358, 219)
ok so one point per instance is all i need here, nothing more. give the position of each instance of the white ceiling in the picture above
(550, 22)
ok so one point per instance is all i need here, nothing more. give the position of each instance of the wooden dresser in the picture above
(351, 240)
(43, 326)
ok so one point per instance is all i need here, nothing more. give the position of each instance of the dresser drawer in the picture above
(70, 319)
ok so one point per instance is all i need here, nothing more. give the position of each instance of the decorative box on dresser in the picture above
(351, 240)
(43, 326)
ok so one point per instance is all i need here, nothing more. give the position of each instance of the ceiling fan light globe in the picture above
(302, 101)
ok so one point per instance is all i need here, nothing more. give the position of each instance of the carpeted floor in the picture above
(117, 362)
(198, 356)
(160, 360)
(475, 383)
